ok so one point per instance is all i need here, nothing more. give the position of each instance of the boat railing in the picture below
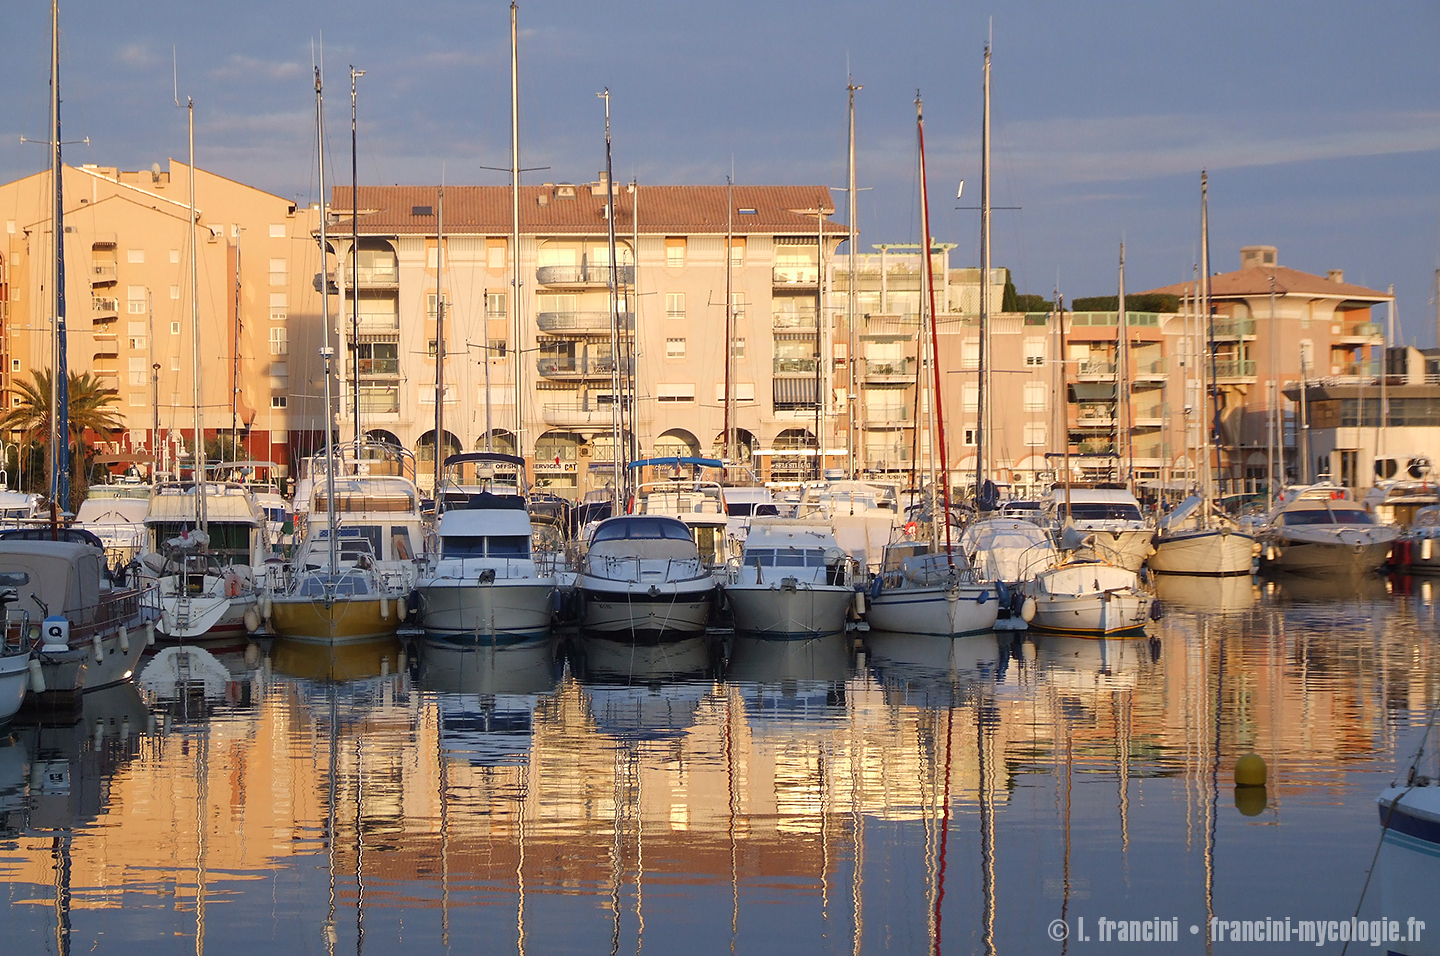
(614, 563)
(18, 635)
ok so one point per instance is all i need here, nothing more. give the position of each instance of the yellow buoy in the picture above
(1250, 771)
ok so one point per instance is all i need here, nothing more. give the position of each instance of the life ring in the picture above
(910, 529)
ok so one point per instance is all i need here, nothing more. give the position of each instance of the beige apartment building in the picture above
(128, 305)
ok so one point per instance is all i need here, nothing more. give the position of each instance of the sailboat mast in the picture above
(199, 472)
(616, 398)
(1207, 328)
(1272, 429)
(1065, 399)
(515, 225)
(1122, 383)
(729, 317)
(984, 384)
(326, 352)
(355, 261)
(439, 341)
(852, 289)
(928, 298)
(59, 370)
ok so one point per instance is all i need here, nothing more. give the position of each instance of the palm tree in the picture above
(90, 402)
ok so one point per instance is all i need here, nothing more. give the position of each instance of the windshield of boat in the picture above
(785, 557)
(741, 509)
(315, 585)
(1325, 516)
(485, 546)
(642, 528)
(1101, 511)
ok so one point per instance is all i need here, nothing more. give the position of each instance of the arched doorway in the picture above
(383, 437)
(744, 445)
(425, 446)
(501, 441)
(557, 455)
(677, 443)
(795, 453)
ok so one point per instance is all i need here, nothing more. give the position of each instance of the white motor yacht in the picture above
(743, 504)
(696, 503)
(119, 523)
(1087, 595)
(1011, 551)
(1318, 530)
(16, 651)
(928, 591)
(642, 580)
(1111, 515)
(1189, 541)
(793, 581)
(863, 514)
(1417, 551)
(483, 588)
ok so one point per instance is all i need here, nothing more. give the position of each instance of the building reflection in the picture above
(490, 777)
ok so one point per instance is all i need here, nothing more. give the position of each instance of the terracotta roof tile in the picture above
(680, 210)
(1256, 281)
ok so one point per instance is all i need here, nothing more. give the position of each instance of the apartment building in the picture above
(698, 271)
(129, 313)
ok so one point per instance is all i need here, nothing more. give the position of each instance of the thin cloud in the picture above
(137, 55)
(239, 67)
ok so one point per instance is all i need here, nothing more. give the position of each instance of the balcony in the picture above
(890, 373)
(581, 276)
(795, 277)
(1158, 370)
(107, 346)
(797, 321)
(377, 277)
(103, 273)
(1228, 328)
(578, 368)
(107, 305)
(378, 366)
(1234, 370)
(1151, 417)
(586, 323)
(887, 416)
(1096, 446)
(1094, 416)
(577, 415)
(796, 366)
(1362, 333)
(1094, 368)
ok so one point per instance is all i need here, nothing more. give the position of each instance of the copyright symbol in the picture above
(1058, 930)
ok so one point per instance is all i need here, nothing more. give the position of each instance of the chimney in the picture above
(1335, 275)
(1257, 257)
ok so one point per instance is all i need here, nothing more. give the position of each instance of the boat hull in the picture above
(1342, 556)
(205, 619)
(1098, 614)
(1413, 812)
(501, 613)
(77, 668)
(340, 621)
(1215, 553)
(938, 610)
(1125, 549)
(1414, 554)
(14, 682)
(645, 615)
(800, 612)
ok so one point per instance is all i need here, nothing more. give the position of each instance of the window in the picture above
(174, 292)
(381, 399)
(495, 305)
(377, 358)
(136, 328)
(277, 401)
(174, 328)
(14, 365)
(278, 270)
(174, 365)
(134, 255)
(136, 343)
(137, 399)
(135, 299)
(675, 393)
(498, 348)
(137, 371)
(675, 253)
(279, 302)
(277, 230)
(14, 401)
(968, 437)
(737, 251)
(675, 348)
(430, 305)
(1034, 396)
(674, 305)
(1034, 353)
(495, 254)
(1307, 355)
(427, 394)
(279, 370)
(174, 255)
(970, 354)
(743, 392)
(737, 347)
(970, 398)
(737, 305)
(1034, 434)
(279, 344)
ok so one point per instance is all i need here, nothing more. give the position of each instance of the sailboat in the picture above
(1194, 539)
(332, 593)
(930, 589)
(204, 593)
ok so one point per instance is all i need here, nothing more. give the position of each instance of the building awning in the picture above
(795, 391)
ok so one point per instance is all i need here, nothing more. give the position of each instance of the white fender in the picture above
(401, 611)
(124, 639)
(384, 667)
(384, 608)
(266, 607)
(99, 651)
(859, 603)
(252, 620)
(150, 634)
(37, 677)
(1027, 610)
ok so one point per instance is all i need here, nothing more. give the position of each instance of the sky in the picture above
(1317, 120)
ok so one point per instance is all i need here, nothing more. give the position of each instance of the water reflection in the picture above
(1206, 595)
(953, 793)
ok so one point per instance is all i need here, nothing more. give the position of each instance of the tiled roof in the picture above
(679, 210)
(1256, 281)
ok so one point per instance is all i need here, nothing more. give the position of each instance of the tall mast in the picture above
(927, 298)
(821, 325)
(616, 397)
(1065, 398)
(199, 471)
(853, 442)
(1123, 417)
(729, 317)
(515, 225)
(984, 385)
(1207, 367)
(1272, 430)
(355, 262)
(59, 370)
(326, 352)
(439, 340)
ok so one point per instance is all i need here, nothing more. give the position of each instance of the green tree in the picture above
(90, 410)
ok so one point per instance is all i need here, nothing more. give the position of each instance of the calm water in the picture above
(931, 794)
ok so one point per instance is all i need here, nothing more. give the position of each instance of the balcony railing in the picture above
(596, 274)
(377, 275)
(104, 303)
(793, 320)
(903, 370)
(1158, 367)
(591, 322)
(577, 414)
(1361, 330)
(1234, 368)
(378, 323)
(378, 366)
(795, 366)
(795, 275)
(103, 272)
(579, 367)
(1228, 328)
(1094, 367)
(1096, 446)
